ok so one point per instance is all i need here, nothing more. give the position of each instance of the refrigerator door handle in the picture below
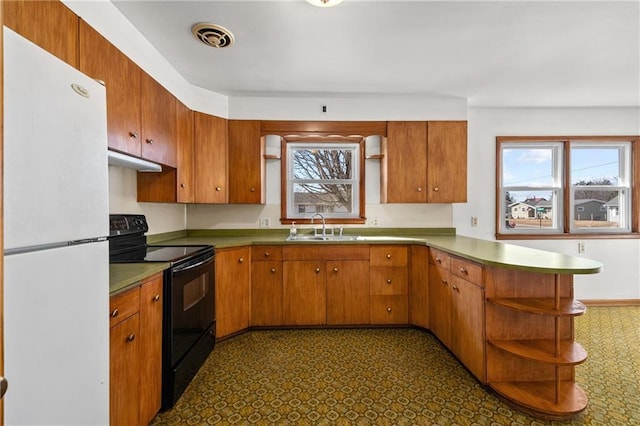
(4, 384)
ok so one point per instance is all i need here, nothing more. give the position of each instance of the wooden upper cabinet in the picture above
(210, 159)
(185, 184)
(447, 161)
(103, 61)
(158, 113)
(405, 162)
(49, 24)
(424, 162)
(246, 162)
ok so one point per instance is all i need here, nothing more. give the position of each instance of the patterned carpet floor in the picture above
(398, 376)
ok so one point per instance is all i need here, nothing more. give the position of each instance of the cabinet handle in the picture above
(436, 189)
(182, 185)
(389, 256)
(389, 309)
(150, 141)
(463, 271)
(273, 270)
(115, 313)
(455, 288)
(241, 260)
(156, 298)
(252, 190)
(444, 281)
(317, 270)
(389, 281)
(438, 260)
(335, 269)
(267, 254)
(419, 189)
(131, 338)
(133, 135)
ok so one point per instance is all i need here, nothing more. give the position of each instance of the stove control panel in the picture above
(127, 224)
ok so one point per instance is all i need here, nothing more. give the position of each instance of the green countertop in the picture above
(490, 253)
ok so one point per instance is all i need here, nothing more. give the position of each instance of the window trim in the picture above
(566, 231)
(360, 140)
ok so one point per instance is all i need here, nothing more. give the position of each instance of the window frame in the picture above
(359, 169)
(566, 228)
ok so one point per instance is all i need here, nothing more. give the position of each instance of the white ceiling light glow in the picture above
(324, 3)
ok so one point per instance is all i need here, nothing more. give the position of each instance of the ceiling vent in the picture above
(213, 35)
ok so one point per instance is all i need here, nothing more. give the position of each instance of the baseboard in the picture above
(611, 302)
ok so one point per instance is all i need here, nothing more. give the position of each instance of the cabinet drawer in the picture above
(123, 305)
(266, 253)
(389, 310)
(388, 256)
(469, 271)
(326, 252)
(439, 258)
(388, 280)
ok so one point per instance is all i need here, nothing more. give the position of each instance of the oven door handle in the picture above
(187, 267)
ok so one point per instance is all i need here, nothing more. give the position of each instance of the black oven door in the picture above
(192, 310)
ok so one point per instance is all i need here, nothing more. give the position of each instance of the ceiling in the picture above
(494, 53)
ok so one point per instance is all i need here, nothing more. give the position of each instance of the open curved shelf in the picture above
(539, 397)
(570, 352)
(543, 306)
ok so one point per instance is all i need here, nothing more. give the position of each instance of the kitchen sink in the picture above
(305, 238)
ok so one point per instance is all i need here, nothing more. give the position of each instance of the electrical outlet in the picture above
(580, 247)
(373, 221)
(474, 220)
(265, 222)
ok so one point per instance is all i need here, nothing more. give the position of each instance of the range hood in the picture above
(128, 161)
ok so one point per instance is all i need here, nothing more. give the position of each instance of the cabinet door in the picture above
(124, 376)
(158, 122)
(419, 286)
(102, 61)
(49, 24)
(150, 348)
(391, 309)
(304, 293)
(347, 292)
(246, 163)
(440, 304)
(447, 161)
(467, 321)
(233, 274)
(405, 162)
(266, 293)
(210, 159)
(185, 183)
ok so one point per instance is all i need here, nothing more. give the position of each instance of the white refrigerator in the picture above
(56, 260)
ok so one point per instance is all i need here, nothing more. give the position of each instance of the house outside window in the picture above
(563, 186)
(326, 176)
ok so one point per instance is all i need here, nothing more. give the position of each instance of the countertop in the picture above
(485, 252)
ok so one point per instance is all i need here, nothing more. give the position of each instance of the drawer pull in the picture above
(131, 338)
(182, 185)
(335, 269)
(115, 313)
(252, 190)
(134, 135)
(444, 281)
(389, 310)
(419, 189)
(389, 281)
(218, 188)
(150, 141)
(241, 260)
(156, 298)
(273, 270)
(438, 260)
(436, 189)
(464, 271)
(389, 256)
(456, 288)
(267, 254)
(317, 270)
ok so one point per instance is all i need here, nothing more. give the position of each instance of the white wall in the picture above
(621, 276)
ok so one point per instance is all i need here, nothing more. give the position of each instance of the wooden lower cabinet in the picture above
(347, 292)
(135, 353)
(304, 292)
(266, 286)
(419, 286)
(233, 290)
(389, 284)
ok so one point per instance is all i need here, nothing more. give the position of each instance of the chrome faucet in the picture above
(324, 230)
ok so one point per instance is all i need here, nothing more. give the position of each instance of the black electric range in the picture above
(189, 322)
